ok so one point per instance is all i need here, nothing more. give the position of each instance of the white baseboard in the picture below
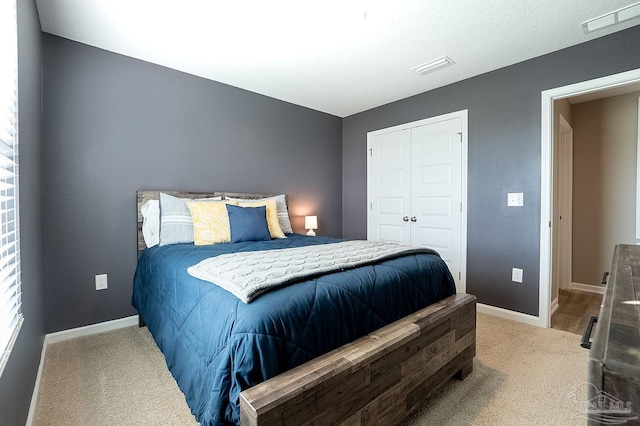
(599, 289)
(512, 315)
(70, 334)
(91, 329)
(554, 306)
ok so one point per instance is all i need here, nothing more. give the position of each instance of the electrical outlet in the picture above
(101, 282)
(516, 275)
(515, 199)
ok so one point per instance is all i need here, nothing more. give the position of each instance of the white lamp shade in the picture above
(311, 222)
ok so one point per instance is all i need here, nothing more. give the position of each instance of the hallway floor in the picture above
(576, 307)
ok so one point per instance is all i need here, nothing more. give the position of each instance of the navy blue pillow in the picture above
(248, 223)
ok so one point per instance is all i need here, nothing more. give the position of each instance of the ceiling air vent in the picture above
(612, 18)
(434, 65)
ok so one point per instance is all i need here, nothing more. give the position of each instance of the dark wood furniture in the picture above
(378, 379)
(614, 358)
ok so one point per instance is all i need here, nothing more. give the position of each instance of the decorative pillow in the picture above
(210, 222)
(151, 222)
(272, 215)
(175, 219)
(248, 223)
(283, 213)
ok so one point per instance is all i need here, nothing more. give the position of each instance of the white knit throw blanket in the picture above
(247, 275)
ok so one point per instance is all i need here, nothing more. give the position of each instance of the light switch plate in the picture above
(515, 199)
(516, 275)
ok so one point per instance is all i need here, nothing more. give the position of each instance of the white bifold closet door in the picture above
(415, 188)
(389, 184)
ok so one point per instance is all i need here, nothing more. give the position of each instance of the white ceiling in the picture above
(336, 56)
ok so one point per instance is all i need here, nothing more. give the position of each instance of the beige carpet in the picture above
(113, 378)
(523, 375)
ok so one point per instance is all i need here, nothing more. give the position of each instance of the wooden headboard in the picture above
(144, 196)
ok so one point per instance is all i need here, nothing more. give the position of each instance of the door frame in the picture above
(464, 117)
(546, 176)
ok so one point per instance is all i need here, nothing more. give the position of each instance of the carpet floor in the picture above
(523, 375)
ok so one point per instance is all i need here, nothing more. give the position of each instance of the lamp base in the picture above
(311, 233)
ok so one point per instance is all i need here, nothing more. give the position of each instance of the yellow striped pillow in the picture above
(210, 222)
(272, 215)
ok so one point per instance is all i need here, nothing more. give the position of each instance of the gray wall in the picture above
(18, 378)
(605, 135)
(112, 125)
(504, 156)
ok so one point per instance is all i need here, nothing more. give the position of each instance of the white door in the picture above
(565, 204)
(416, 187)
(436, 190)
(389, 160)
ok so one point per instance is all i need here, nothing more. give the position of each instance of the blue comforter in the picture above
(216, 346)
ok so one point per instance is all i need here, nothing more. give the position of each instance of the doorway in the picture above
(619, 83)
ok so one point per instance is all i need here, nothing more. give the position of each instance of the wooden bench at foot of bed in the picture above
(376, 380)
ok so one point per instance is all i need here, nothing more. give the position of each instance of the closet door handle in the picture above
(406, 218)
(414, 219)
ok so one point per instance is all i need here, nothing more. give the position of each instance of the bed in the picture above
(330, 349)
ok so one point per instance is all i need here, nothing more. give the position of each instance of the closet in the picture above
(416, 187)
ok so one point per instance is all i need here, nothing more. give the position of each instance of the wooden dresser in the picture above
(614, 359)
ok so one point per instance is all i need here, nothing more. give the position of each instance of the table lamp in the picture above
(311, 223)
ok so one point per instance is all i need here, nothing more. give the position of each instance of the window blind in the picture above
(10, 300)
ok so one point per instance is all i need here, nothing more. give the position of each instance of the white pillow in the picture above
(283, 213)
(176, 224)
(151, 222)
